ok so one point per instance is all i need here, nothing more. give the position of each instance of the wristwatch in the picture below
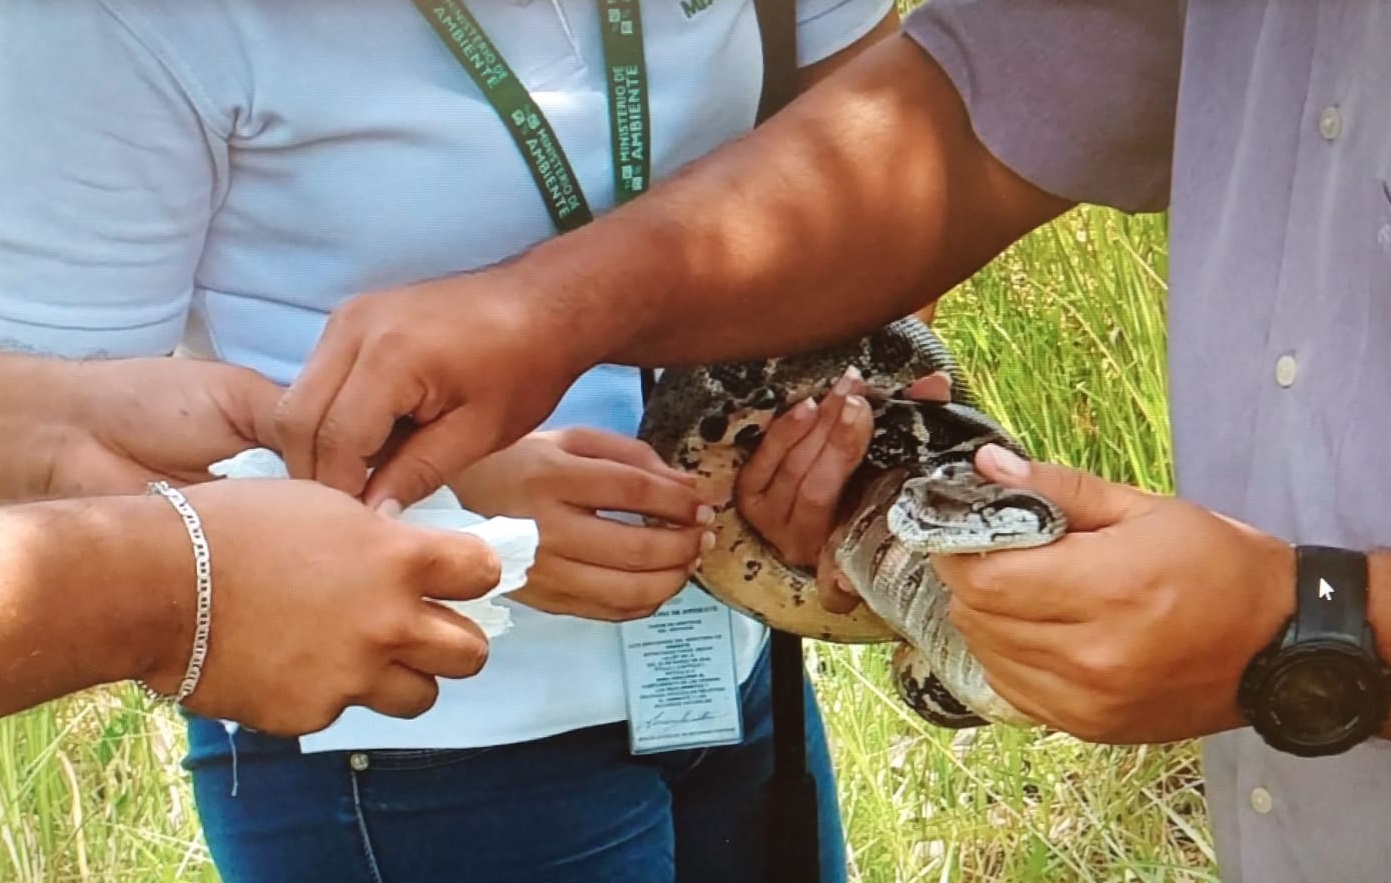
(1320, 688)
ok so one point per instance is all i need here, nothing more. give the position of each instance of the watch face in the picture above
(1321, 697)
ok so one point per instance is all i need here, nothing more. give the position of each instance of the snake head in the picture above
(953, 510)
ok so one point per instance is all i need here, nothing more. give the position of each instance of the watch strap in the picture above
(1329, 624)
(1330, 595)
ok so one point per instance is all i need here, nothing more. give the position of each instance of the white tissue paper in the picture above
(514, 540)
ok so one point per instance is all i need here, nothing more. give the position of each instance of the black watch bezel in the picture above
(1328, 636)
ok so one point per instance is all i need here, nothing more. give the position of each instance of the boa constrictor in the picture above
(916, 494)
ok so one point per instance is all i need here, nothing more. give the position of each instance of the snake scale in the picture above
(915, 495)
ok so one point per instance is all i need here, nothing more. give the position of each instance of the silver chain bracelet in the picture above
(202, 559)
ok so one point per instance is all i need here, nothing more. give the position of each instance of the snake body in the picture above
(915, 495)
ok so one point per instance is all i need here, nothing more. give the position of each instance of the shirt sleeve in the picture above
(108, 175)
(825, 27)
(1077, 97)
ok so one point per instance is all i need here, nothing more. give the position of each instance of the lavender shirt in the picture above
(1265, 128)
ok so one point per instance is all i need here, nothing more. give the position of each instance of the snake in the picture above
(915, 495)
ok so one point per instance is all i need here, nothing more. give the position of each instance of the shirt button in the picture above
(358, 761)
(1260, 800)
(1285, 370)
(1330, 122)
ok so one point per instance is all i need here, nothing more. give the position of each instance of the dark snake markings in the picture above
(916, 495)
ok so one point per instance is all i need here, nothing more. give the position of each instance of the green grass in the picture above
(1064, 339)
(1064, 335)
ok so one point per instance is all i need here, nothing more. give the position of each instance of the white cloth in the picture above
(513, 540)
(248, 165)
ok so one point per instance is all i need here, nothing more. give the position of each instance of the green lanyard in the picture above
(620, 22)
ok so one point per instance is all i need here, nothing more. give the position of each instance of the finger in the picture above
(618, 487)
(445, 644)
(599, 445)
(252, 399)
(402, 692)
(818, 495)
(1044, 584)
(834, 590)
(1033, 692)
(1089, 502)
(359, 421)
(574, 588)
(780, 495)
(784, 432)
(301, 409)
(935, 387)
(1040, 645)
(579, 535)
(1055, 700)
(449, 565)
(433, 452)
(399, 433)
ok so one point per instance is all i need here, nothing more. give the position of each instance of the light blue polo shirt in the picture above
(223, 173)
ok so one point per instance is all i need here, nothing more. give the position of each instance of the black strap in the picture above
(793, 830)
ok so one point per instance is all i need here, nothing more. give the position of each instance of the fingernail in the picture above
(695, 566)
(707, 541)
(389, 508)
(851, 411)
(847, 380)
(705, 515)
(806, 408)
(1005, 461)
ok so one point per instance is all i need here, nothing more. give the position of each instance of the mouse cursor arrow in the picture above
(1325, 590)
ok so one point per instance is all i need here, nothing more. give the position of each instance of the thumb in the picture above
(430, 455)
(1088, 501)
(250, 407)
(456, 566)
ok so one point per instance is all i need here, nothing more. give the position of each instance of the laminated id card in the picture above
(678, 669)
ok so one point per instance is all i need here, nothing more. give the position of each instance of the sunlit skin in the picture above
(872, 139)
(866, 199)
(1105, 634)
(102, 588)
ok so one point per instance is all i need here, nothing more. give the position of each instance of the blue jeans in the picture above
(573, 808)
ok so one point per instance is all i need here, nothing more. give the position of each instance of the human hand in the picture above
(447, 371)
(589, 565)
(320, 603)
(118, 424)
(1136, 626)
(790, 490)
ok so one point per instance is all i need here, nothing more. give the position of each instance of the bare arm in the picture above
(91, 592)
(864, 200)
(30, 433)
(101, 590)
(880, 199)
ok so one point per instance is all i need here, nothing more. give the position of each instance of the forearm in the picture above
(32, 426)
(879, 199)
(91, 592)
